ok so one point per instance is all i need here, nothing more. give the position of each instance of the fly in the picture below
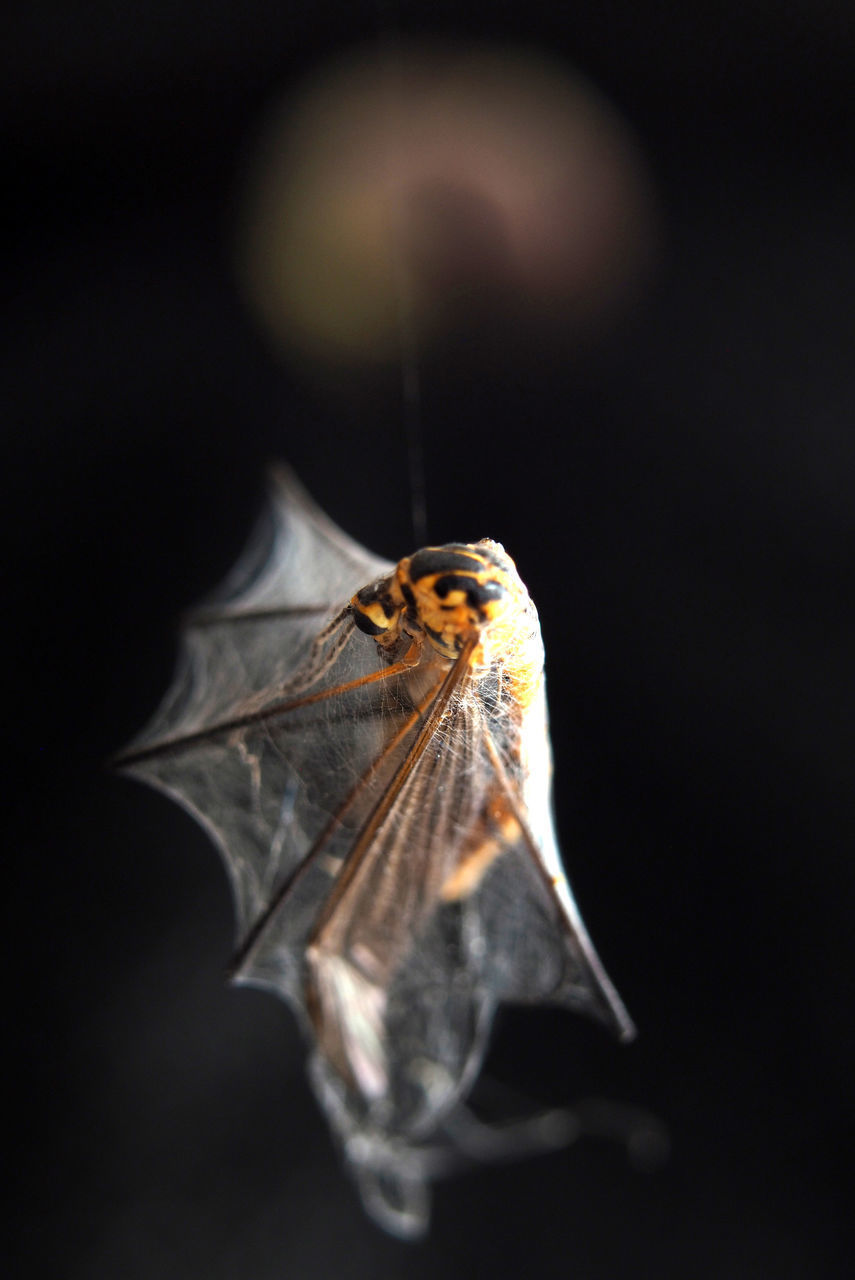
(367, 744)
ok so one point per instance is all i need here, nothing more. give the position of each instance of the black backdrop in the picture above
(681, 505)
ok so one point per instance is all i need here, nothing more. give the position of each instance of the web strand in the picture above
(408, 344)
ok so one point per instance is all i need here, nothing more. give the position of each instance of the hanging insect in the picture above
(367, 744)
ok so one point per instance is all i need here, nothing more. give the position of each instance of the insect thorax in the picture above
(448, 594)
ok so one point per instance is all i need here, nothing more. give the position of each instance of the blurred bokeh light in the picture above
(456, 191)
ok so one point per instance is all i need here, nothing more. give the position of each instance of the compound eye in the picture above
(366, 624)
(374, 611)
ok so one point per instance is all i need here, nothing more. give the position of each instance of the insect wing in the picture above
(245, 644)
(540, 950)
(454, 906)
(388, 832)
(297, 558)
(261, 780)
(397, 1005)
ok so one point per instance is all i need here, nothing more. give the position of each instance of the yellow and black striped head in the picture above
(450, 592)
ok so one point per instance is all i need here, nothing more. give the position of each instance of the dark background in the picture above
(680, 503)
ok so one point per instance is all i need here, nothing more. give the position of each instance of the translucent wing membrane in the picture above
(250, 638)
(296, 559)
(383, 811)
(254, 647)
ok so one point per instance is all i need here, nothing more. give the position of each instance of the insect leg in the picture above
(274, 712)
(498, 831)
